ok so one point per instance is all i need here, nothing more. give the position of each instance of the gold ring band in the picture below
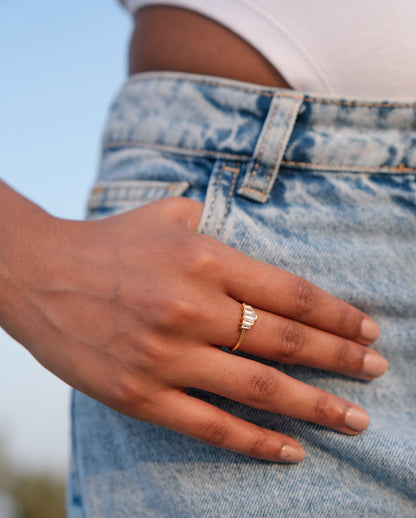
(248, 318)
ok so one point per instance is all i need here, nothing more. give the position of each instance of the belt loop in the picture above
(263, 168)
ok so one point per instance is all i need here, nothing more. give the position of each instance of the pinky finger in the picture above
(207, 423)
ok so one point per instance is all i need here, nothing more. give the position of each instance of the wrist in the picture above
(22, 224)
(25, 231)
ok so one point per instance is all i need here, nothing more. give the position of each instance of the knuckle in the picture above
(153, 354)
(343, 355)
(182, 210)
(350, 322)
(322, 409)
(175, 208)
(256, 445)
(202, 258)
(291, 340)
(128, 394)
(349, 357)
(263, 385)
(176, 312)
(304, 298)
(214, 432)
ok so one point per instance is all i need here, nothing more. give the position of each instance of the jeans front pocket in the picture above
(109, 198)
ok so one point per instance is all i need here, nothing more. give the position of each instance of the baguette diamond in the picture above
(248, 318)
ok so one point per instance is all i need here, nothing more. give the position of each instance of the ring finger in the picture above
(287, 341)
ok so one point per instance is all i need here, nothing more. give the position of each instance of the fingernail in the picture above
(374, 365)
(369, 330)
(291, 454)
(357, 419)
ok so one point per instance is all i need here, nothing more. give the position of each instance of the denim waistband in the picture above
(268, 128)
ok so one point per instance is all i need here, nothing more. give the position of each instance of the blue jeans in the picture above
(325, 188)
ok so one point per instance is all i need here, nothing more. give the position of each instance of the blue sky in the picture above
(61, 65)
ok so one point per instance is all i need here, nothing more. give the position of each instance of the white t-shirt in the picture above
(358, 48)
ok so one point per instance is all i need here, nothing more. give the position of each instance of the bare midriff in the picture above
(176, 39)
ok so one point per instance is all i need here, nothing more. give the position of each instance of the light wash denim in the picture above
(325, 188)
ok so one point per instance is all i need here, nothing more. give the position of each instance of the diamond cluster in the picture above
(248, 316)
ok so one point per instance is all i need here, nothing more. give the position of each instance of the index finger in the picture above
(275, 290)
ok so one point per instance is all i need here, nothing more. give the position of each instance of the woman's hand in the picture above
(132, 310)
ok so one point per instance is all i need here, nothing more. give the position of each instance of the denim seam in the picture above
(366, 104)
(347, 167)
(259, 91)
(100, 199)
(213, 199)
(133, 185)
(175, 149)
(235, 172)
(271, 93)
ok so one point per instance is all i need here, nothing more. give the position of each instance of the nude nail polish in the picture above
(357, 419)
(369, 330)
(374, 365)
(291, 454)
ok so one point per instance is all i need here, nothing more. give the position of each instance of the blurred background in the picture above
(61, 65)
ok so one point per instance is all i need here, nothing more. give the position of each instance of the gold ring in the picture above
(248, 317)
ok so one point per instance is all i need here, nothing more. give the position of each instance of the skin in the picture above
(169, 38)
(132, 310)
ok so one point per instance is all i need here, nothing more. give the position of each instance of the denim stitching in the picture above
(310, 165)
(366, 104)
(214, 197)
(111, 144)
(232, 169)
(235, 172)
(99, 193)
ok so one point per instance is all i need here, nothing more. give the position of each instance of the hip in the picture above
(325, 188)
